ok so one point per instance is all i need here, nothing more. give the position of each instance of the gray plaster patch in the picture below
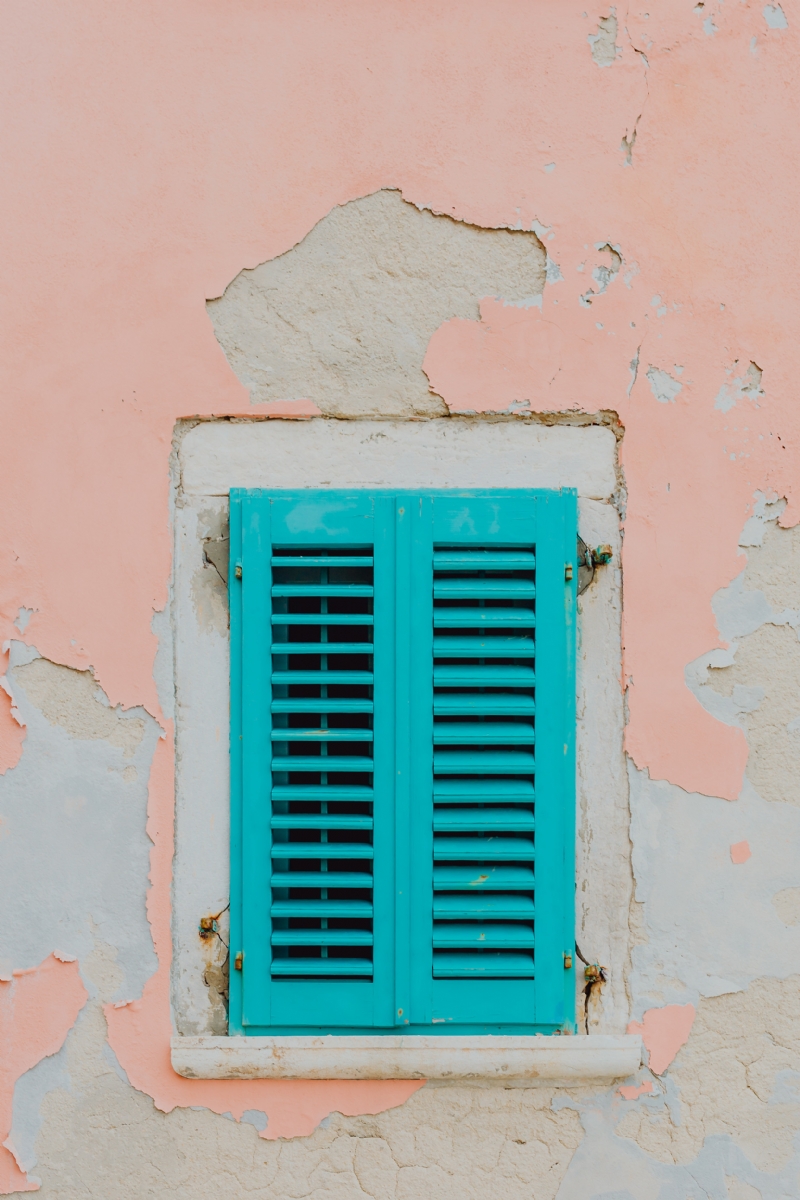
(717, 929)
(662, 385)
(74, 857)
(775, 16)
(345, 317)
(256, 1118)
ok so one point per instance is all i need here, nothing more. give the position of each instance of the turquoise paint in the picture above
(465, 945)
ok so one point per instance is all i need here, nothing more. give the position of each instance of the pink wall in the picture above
(156, 150)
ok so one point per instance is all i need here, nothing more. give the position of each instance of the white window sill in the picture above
(484, 1059)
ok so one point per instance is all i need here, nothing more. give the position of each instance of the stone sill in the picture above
(524, 1061)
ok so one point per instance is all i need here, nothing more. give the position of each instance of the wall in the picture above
(518, 214)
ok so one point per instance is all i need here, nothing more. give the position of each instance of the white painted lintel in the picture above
(481, 1059)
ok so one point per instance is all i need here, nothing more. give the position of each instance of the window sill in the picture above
(486, 1059)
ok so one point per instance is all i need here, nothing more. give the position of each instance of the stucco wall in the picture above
(505, 216)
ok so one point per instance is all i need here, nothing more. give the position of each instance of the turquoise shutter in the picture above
(313, 694)
(445, 722)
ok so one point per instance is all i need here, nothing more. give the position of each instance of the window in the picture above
(402, 848)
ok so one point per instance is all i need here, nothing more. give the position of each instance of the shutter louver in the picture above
(322, 763)
(483, 648)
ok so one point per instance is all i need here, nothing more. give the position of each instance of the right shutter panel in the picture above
(502, 869)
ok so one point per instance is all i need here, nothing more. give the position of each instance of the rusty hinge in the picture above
(238, 960)
(588, 559)
(567, 961)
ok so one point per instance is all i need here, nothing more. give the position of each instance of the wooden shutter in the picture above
(413, 790)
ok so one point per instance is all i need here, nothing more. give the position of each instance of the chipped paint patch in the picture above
(664, 1031)
(37, 1010)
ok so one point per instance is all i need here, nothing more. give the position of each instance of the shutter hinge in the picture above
(567, 961)
(238, 960)
(568, 572)
(237, 570)
(588, 559)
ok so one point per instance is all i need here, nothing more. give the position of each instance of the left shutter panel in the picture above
(309, 761)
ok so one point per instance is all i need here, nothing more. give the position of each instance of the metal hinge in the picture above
(588, 559)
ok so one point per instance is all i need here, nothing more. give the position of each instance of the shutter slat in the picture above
(501, 647)
(319, 792)
(312, 619)
(321, 937)
(482, 906)
(456, 820)
(321, 879)
(483, 850)
(321, 735)
(322, 678)
(478, 618)
(486, 762)
(480, 676)
(330, 764)
(321, 821)
(338, 799)
(320, 560)
(467, 936)
(482, 704)
(327, 648)
(483, 560)
(483, 589)
(483, 733)
(321, 705)
(488, 791)
(321, 966)
(485, 877)
(492, 966)
(321, 850)
(321, 908)
(348, 590)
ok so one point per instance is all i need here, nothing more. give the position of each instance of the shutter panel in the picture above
(502, 668)
(311, 625)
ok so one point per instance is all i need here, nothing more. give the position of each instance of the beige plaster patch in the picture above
(774, 566)
(345, 317)
(739, 1190)
(787, 905)
(726, 1077)
(72, 699)
(769, 659)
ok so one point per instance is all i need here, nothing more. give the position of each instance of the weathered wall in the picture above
(617, 191)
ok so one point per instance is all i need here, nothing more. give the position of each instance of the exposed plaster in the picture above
(344, 318)
(74, 857)
(604, 50)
